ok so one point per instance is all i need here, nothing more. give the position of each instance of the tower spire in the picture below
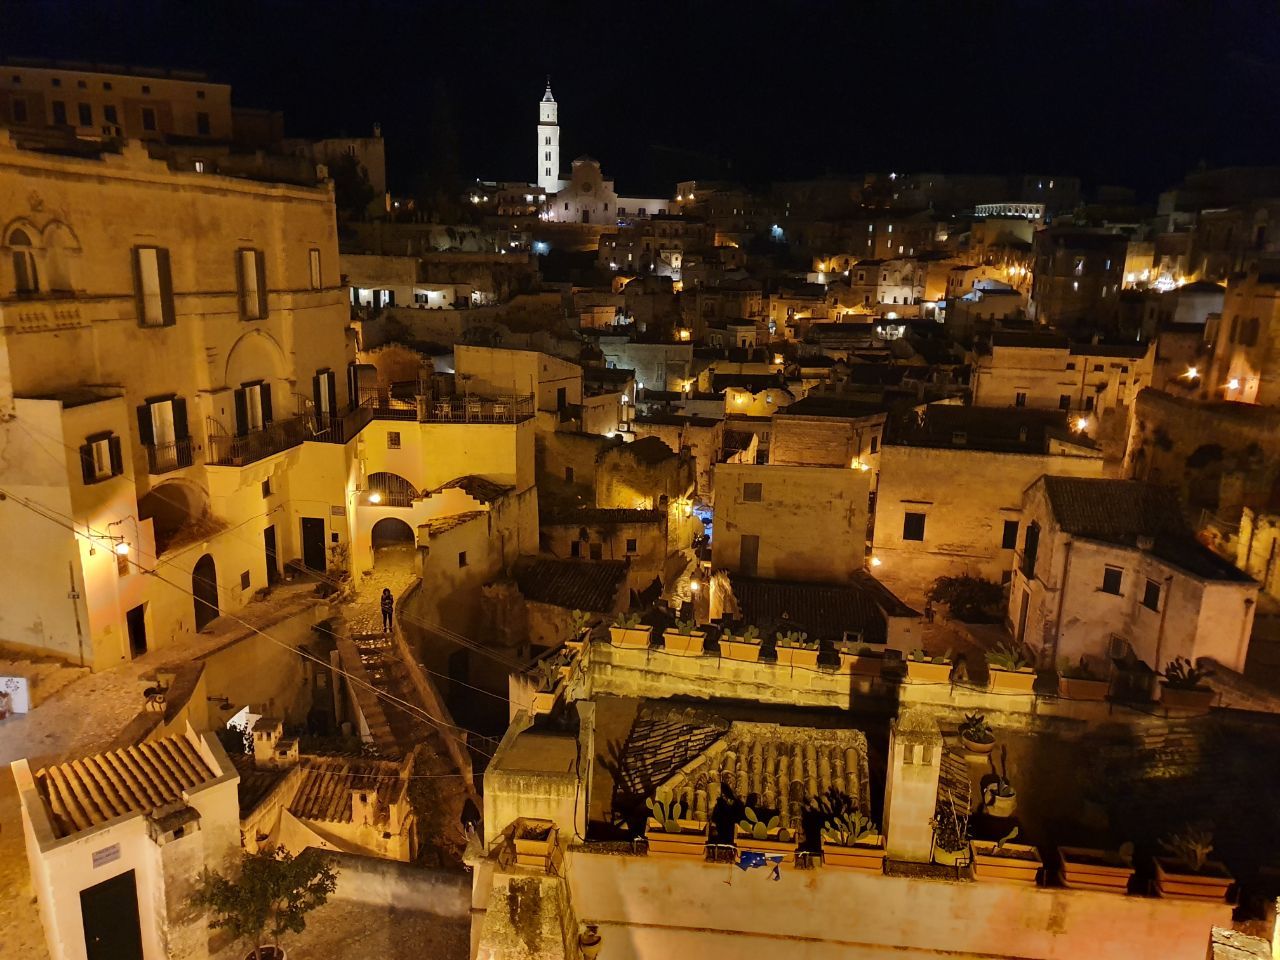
(546, 96)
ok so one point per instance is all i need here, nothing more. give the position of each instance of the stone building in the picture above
(827, 430)
(1108, 567)
(1077, 278)
(782, 522)
(950, 486)
(1245, 363)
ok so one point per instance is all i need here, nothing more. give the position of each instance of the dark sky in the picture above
(1121, 91)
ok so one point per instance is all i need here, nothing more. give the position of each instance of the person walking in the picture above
(388, 609)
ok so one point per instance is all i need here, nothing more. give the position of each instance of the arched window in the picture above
(26, 275)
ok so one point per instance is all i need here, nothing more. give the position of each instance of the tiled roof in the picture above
(994, 429)
(1044, 341)
(80, 794)
(486, 491)
(1121, 511)
(647, 450)
(255, 782)
(325, 790)
(439, 525)
(825, 612)
(833, 405)
(589, 585)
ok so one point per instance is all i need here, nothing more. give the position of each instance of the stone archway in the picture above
(204, 585)
(394, 543)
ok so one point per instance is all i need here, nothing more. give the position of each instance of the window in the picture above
(575, 549)
(596, 550)
(462, 559)
(1151, 595)
(162, 428)
(547, 156)
(106, 84)
(324, 396)
(1088, 403)
(1064, 401)
(110, 115)
(153, 287)
(245, 580)
(59, 112)
(146, 88)
(1020, 399)
(631, 544)
(25, 273)
(913, 526)
(313, 259)
(1098, 368)
(266, 488)
(148, 118)
(100, 457)
(547, 141)
(85, 112)
(548, 171)
(1071, 364)
(393, 439)
(202, 124)
(199, 165)
(1079, 267)
(1112, 577)
(875, 444)
(1030, 547)
(568, 474)
(752, 492)
(253, 407)
(251, 282)
(199, 94)
(57, 81)
(19, 110)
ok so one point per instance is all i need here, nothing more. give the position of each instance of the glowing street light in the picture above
(375, 497)
(1193, 373)
(1233, 384)
(122, 549)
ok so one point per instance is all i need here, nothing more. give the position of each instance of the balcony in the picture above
(167, 457)
(512, 409)
(239, 451)
(343, 428)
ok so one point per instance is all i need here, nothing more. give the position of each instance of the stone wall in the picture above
(388, 883)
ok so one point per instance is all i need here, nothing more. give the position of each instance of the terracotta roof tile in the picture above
(590, 585)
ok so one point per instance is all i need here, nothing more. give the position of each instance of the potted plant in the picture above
(861, 661)
(1088, 868)
(998, 797)
(950, 846)
(976, 734)
(928, 667)
(685, 640)
(1010, 668)
(795, 649)
(744, 646)
(534, 841)
(271, 895)
(1182, 687)
(548, 684)
(1079, 681)
(1188, 872)
(627, 631)
(579, 628)
(764, 836)
(1003, 860)
(849, 838)
(669, 832)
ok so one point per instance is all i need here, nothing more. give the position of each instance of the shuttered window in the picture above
(251, 283)
(253, 407)
(324, 394)
(153, 287)
(101, 458)
(313, 258)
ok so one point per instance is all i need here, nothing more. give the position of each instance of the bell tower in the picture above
(548, 142)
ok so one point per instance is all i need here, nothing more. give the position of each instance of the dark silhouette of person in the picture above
(388, 609)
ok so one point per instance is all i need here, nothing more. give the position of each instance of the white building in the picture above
(548, 142)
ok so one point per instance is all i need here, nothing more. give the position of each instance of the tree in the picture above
(969, 599)
(272, 895)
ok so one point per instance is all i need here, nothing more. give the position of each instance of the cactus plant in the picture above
(757, 829)
(668, 813)
(627, 621)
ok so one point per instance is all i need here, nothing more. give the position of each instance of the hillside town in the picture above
(566, 568)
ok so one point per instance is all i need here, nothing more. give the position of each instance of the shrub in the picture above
(970, 599)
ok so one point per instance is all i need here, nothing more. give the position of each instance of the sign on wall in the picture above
(106, 855)
(15, 696)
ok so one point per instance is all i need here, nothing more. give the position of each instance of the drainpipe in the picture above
(1062, 602)
(74, 597)
(1164, 612)
(1243, 646)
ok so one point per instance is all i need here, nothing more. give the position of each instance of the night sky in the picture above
(1134, 93)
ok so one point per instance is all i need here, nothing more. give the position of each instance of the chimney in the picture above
(266, 734)
(911, 787)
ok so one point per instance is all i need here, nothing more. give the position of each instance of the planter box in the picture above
(681, 645)
(949, 858)
(798, 657)
(922, 671)
(545, 702)
(1012, 681)
(635, 637)
(866, 857)
(1089, 869)
(861, 665)
(1211, 883)
(691, 841)
(532, 852)
(747, 652)
(1016, 862)
(1180, 699)
(576, 645)
(1073, 689)
(772, 848)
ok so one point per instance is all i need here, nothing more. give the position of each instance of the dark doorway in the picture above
(313, 546)
(109, 910)
(1022, 614)
(586, 216)
(748, 554)
(269, 544)
(204, 586)
(562, 398)
(136, 621)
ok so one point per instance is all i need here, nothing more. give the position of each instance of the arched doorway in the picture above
(204, 584)
(393, 542)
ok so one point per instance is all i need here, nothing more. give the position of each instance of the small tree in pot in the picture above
(272, 896)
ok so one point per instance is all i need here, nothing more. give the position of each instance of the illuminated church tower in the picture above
(548, 142)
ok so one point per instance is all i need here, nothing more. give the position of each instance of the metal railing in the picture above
(164, 457)
(510, 409)
(250, 447)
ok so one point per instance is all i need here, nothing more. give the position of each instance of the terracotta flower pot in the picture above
(1012, 681)
(634, 637)
(589, 944)
(683, 645)
(1074, 689)
(923, 671)
(798, 657)
(1175, 879)
(1002, 806)
(691, 841)
(1086, 868)
(977, 746)
(861, 665)
(1180, 698)
(867, 857)
(949, 858)
(743, 650)
(1014, 862)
